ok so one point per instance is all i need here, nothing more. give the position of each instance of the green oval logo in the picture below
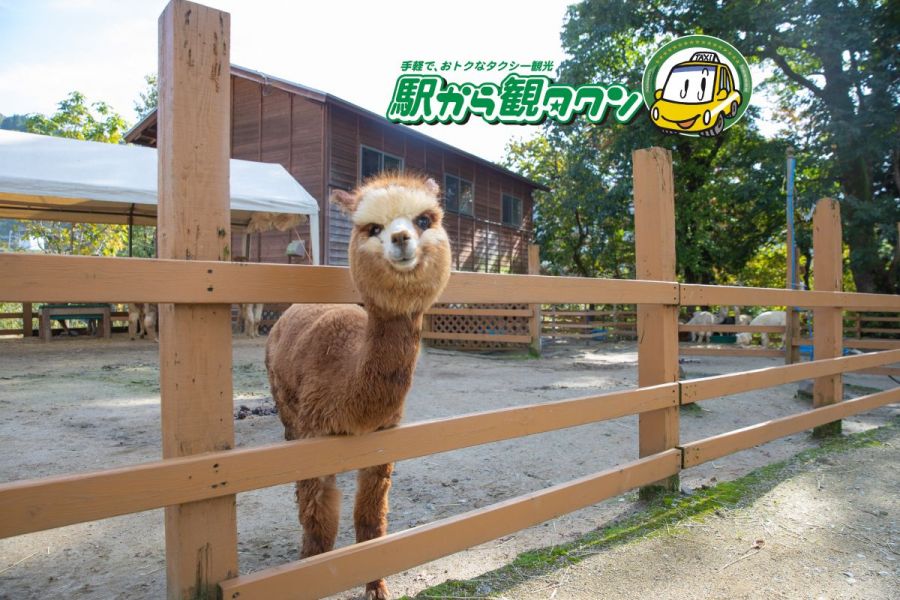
(697, 85)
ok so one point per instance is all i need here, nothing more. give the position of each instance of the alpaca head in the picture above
(399, 252)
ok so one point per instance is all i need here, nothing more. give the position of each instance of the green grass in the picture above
(654, 518)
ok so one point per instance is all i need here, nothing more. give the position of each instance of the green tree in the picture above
(728, 190)
(835, 78)
(76, 119)
(149, 98)
(13, 122)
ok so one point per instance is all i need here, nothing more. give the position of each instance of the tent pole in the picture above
(130, 229)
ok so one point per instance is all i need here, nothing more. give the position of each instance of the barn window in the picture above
(512, 211)
(373, 162)
(459, 195)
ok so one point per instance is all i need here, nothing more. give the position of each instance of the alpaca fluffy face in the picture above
(399, 250)
(394, 221)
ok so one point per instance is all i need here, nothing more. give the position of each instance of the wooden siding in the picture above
(479, 242)
(275, 126)
(271, 124)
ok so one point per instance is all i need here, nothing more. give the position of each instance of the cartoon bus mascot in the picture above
(697, 97)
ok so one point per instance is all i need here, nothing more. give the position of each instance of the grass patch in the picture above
(693, 408)
(654, 518)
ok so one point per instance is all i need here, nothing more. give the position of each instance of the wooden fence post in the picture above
(27, 323)
(657, 325)
(195, 339)
(828, 324)
(534, 268)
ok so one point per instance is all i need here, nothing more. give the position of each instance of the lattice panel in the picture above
(479, 324)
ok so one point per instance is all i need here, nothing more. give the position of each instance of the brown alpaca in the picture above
(341, 369)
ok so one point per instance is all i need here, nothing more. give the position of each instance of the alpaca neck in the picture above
(385, 366)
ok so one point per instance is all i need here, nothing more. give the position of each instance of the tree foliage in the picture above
(74, 118)
(835, 80)
(148, 99)
(728, 189)
(97, 122)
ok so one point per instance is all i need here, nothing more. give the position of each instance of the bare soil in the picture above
(829, 529)
(74, 405)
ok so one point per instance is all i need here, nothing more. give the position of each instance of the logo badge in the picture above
(696, 85)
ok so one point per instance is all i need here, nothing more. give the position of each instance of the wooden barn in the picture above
(327, 143)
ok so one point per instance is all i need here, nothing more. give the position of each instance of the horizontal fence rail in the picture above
(50, 278)
(695, 390)
(339, 569)
(39, 504)
(734, 328)
(720, 351)
(97, 279)
(714, 447)
(704, 295)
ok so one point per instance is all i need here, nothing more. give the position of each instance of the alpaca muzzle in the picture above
(402, 244)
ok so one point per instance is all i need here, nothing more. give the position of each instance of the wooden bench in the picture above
(81, 312)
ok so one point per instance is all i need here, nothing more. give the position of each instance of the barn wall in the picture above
(479, 242)
(276, 126)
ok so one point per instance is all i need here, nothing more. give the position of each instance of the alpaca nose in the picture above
(401, 238)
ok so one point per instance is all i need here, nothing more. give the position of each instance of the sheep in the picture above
(770, 318)
(702, 317)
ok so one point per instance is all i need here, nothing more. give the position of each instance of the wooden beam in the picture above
(27, 320)
(828, 325)
(325, 574)
(702, 295)
(534, 324)
(657, 324)
(100, 279)
(39, 504)
(721, 351)
(476, 337)
(714, 447)
(195, 340)
(734, 328)
(480, 312)
(694, 390)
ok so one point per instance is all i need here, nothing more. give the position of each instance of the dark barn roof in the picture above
(144, 133)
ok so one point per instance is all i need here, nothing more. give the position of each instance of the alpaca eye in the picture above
(374, 230)
(423, 222)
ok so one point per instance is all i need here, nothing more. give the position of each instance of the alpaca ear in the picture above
(432, 186)
(345, 200)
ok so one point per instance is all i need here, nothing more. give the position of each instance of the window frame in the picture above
(521, 203)
(459, 181)
(381, 155)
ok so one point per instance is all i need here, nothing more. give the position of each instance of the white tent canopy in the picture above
(60, 179)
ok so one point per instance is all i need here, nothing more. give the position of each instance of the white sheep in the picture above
(745, 337)
(702, 317)
(776, 318)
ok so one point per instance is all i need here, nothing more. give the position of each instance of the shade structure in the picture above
(60, 179)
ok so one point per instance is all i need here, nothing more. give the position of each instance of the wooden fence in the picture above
(27, 316)
(200, 472)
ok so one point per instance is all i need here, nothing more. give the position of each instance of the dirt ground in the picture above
(75, 405)
(828, 530)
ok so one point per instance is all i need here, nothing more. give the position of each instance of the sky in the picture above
(352, 50)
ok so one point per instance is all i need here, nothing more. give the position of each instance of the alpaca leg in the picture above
(319, 503)
(133, 324)
(150, 325)
(370, 514)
